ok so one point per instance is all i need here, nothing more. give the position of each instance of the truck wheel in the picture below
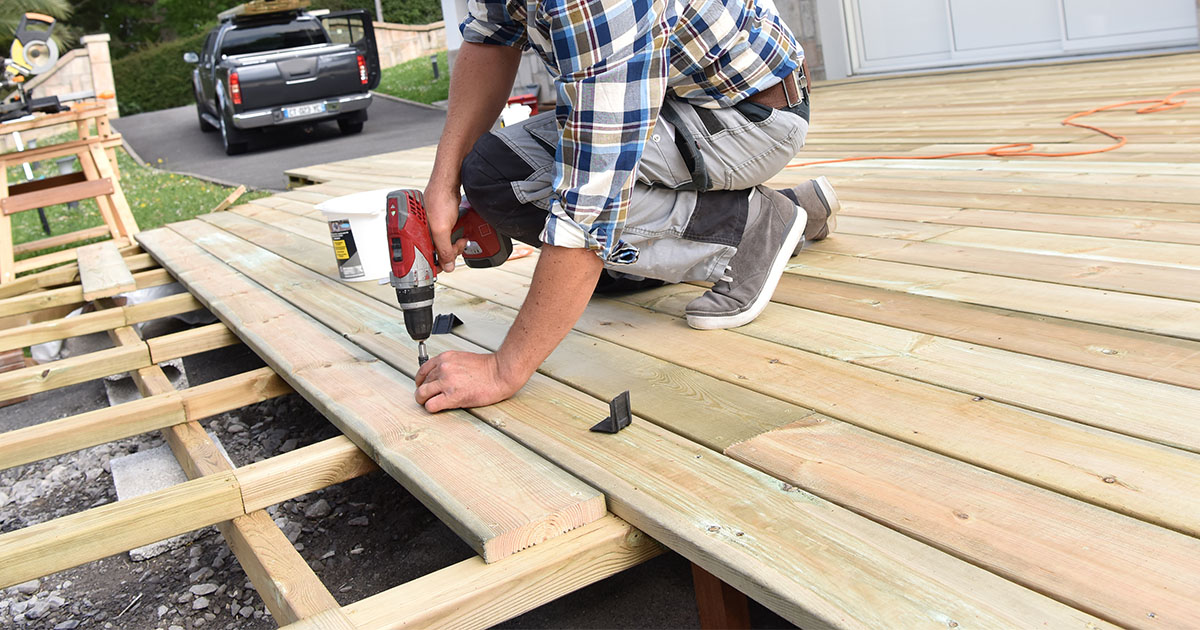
(205, 127)
(234, 143)
(350, 126)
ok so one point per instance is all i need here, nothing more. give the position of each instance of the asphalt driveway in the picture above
(174, 136)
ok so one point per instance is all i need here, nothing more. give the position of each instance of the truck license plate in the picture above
(304, 110)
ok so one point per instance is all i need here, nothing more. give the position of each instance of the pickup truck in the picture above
(284, 68)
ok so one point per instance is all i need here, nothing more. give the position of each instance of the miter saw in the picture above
(31, 54)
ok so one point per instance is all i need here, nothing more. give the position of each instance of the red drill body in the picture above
(414, 259)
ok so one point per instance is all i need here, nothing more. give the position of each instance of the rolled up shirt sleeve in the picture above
(612, 60)
(490, 22)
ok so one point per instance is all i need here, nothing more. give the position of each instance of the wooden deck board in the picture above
(440, 459)
(996, 359)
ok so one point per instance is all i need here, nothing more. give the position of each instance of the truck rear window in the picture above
(266, 37)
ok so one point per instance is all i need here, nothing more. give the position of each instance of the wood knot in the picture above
(714, 528)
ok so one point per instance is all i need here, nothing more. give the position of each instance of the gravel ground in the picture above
(360, 537)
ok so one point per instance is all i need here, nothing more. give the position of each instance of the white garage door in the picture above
(899, 35)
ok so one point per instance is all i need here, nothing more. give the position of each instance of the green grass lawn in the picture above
(414, 80)
(155, 197)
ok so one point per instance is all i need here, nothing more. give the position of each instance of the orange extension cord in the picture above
(1025, 149)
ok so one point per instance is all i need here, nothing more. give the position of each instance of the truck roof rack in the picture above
(256, 8)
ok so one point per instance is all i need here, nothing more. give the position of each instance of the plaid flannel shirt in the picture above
(614, 61)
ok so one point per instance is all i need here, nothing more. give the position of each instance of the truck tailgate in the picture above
(296, 76)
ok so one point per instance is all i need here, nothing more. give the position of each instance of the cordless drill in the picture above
(415, 263)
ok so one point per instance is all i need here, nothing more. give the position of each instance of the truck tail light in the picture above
(362, 70)
(235, 88)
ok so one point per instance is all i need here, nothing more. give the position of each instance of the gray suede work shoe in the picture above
(821, 204)
(774, 227)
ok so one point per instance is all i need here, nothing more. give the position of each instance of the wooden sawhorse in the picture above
(98, 178)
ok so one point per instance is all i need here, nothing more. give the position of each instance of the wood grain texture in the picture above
(286, 583)
(303, 470)
(266, 555)
(68, 541)
(440, 459)
(475, 595)
(1115, 567)
(1147, 479)
(699, 407)
(1144, 409)
(65, 435)
(1142, 355)
(657, 463)
(227, 394)
(77, 369)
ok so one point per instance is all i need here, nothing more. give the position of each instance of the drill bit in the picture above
(422, 357)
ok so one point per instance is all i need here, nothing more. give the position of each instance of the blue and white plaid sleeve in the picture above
(612, 59)
(490, 22)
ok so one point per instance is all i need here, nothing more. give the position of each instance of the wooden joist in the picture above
(68, 541)
(475, 594)
(123, 358)
(439, 459)
(91, 428)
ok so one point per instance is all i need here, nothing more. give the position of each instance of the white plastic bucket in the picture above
(359, 233)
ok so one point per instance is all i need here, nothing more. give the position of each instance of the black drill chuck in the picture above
(417, 305)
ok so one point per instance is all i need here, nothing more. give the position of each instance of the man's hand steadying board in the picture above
(453, 380)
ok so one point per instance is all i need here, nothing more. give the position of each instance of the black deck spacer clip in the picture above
(619, 416)
(445, 322)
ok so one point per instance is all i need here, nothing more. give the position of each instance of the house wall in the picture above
(398, 43)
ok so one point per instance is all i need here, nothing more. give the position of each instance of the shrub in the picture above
(157, 77)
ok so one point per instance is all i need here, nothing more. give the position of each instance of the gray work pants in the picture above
(690, 201)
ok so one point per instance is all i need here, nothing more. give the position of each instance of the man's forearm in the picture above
(562, 285)
(479, 86)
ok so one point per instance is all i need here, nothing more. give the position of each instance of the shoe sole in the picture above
(826, 193)
(719, 322)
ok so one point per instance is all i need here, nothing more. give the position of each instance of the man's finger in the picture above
(439, 403)
(448, 252)
(428, 391)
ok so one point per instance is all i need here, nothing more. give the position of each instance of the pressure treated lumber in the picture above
(68, 541)
(440, 459)
(475, 595)
(643, 463)
(1145, 409)
(1127, 277)
(289, 588)
(303, 470)
(92, 428)
(702, 408)
(1133, 312)
(719, 604)
(1147, 480)
(102, 271)
(1095, 560)
(65, 296)
(1142, 355)
(85, 367)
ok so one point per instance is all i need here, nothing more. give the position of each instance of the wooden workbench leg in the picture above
(720, 605)
(7, 264)
(120, 206)
(87, 164)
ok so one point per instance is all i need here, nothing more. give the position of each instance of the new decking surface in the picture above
(975, 405)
